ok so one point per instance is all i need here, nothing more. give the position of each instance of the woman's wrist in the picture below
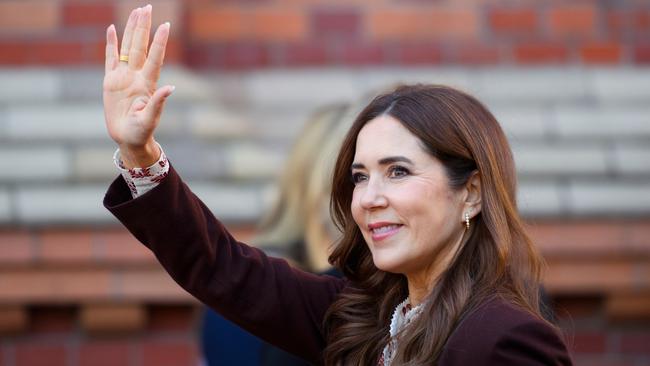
(139, 156)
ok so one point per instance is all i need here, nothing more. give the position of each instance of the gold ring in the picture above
(124, 58)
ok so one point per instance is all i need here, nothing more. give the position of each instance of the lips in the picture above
(383, 230)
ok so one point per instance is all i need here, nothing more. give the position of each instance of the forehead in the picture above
(386, 136)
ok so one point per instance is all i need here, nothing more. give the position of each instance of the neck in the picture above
(421, 283)
(420, 286)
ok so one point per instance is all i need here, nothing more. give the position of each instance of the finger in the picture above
(156, 53)
(138, 50)
(128, 32)
(111, 48)
(155, 105)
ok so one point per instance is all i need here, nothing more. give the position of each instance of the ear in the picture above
(472, 204)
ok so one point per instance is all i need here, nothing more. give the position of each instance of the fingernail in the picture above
(171, 90)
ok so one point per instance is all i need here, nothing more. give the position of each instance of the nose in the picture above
(373, 196)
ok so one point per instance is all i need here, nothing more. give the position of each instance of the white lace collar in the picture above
(402, 316)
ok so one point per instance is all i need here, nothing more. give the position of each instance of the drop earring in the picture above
(466, 220)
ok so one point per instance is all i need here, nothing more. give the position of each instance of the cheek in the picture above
(425, 207)
(355, 208)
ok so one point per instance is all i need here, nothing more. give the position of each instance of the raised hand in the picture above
(132, 101)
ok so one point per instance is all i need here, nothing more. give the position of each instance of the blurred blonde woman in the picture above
(297, 227)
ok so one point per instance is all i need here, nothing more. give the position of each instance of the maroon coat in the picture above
(286, 306)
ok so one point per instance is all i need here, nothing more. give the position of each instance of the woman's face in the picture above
(402, 202)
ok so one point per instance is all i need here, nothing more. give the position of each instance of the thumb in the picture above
(155, 105)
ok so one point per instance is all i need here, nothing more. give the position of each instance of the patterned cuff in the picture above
(142, 180)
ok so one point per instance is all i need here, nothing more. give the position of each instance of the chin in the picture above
(386, 265)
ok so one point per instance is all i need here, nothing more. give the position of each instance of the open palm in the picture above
(132, 103)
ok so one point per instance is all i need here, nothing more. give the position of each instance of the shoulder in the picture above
(500, 333)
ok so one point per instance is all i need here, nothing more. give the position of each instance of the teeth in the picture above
(384, 229)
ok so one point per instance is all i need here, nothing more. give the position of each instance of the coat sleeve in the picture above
(264, 295)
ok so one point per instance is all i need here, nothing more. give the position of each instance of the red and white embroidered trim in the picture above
(142, 180)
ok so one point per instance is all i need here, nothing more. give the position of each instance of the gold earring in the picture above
(466, 220)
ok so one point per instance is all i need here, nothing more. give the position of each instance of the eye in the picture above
(398, 171)
(358, 177)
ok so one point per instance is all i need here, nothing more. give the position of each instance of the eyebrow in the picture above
(386, 161)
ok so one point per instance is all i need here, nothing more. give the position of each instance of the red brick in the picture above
(633, 20)
(13, 319)
(637, 234)
(278, 25)
(88, 14)
(171, 353)
(28, 16)
(630, 307)
(237, 55)
(531, 53)
(172, 318)
(40, 355)
(104, 353)
(174, 51)
(58, 53)
(636, 343)
(641, 20)
(216, 23)
(200, 55)
(588, 277)
(66, 246)
(617, 21)
(589, 342)
(414, 53)
(14, 53)
(53, 319)
(306, 53)
(593, 239)
(601, 53)
(477, 54)
(121, 247)
(60, 286)
(361, 54)
(106, 318)
(437, 23)
(52, 52)
(96, 52)
(642, 54)
(149, 285)
(338, 22)
(513, 21)
(572, 20)
(16, 247)
(585, 239)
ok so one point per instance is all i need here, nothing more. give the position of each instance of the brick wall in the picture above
(284, 33)
(91, 297)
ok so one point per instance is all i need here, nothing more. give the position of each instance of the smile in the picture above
(381, 231)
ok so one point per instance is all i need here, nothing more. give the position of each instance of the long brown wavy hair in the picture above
(496, 257)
